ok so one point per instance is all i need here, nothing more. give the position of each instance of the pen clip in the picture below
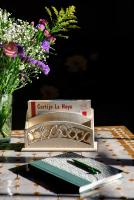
(85, 167)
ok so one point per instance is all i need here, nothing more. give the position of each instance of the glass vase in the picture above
(5, 117)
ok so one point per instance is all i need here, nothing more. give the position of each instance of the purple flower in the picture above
(45, 45)
(45, 68)
(20, 50)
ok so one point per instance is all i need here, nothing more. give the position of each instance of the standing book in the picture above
(84, 173)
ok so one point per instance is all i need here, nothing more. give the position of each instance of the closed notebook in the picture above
(84, 173)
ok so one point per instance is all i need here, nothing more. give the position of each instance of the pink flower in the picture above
(43, 21)
(10, 49)
(32, 23)
(52, 39)
(47, 34)
(41, 27)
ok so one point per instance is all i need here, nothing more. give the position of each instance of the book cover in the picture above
(84, 173)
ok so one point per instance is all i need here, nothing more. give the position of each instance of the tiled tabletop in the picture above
(115, 147)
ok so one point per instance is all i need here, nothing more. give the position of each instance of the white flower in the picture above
(22, 66)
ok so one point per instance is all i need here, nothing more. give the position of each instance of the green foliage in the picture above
(9, 70)
(5, 112)
(55, 11)
(49, 12)
(16, 72)
(63, 21)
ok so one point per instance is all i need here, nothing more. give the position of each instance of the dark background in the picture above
(102, 52)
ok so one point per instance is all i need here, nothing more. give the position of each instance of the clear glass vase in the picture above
(5, 117)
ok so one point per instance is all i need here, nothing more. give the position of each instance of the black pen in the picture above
(86, 167)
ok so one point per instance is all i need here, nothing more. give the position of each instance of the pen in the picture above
(86, 167)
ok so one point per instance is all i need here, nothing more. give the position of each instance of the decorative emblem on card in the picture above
(62, 130)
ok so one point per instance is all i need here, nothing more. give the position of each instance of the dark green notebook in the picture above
(84, 173)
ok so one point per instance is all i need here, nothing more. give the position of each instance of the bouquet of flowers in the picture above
(24, 49)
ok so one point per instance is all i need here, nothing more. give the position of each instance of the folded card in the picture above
(37, 107)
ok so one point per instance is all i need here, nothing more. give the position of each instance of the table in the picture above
(115, 147)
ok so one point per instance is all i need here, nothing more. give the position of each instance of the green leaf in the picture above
(55, 11)
(49, 12)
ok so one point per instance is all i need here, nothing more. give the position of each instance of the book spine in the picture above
(59, 173)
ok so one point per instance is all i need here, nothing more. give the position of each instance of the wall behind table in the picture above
(95, 63)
